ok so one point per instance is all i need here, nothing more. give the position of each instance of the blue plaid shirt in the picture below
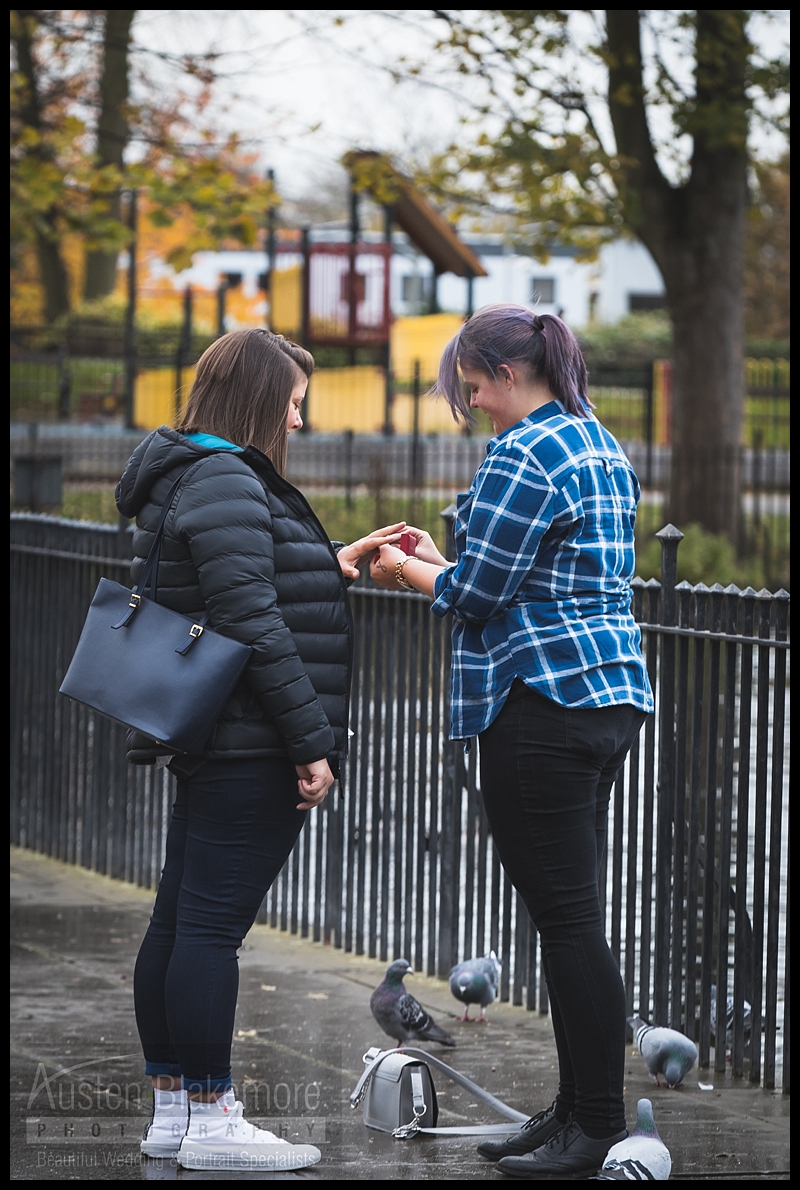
(541, 586)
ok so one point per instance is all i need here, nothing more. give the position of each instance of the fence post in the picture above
(64, 384)
(305, 314)
(448, 515)
(416, 445)
(648, 425)
(222, 288)
(130, 319)
(270, 273)
(757, 481)
(452, 783)
(670, 539)
(184, 349)
(449, 839)
(781, 603)
(388, 398)
(348, 468)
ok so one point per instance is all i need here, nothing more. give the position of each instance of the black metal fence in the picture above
(696, 880)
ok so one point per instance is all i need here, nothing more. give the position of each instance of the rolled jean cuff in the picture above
(162, 1069)
(205, 1085)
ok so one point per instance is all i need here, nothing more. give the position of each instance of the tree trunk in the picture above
(52, 272)
(695, 233)
(112, 137)
(53, 277)
(704, 277)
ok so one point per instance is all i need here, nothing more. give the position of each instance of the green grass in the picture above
(711, 558)
(35, 386)
(366, 513)
(90, 504)
(621, 410)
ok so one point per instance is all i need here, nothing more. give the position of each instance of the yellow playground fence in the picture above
(339, 398)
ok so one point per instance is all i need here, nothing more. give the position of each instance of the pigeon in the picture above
(475, 981)
(399, 1014)
(747, 1015)
(666, 1051)
(642, 1157)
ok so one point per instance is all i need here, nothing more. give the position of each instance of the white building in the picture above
(624, 278)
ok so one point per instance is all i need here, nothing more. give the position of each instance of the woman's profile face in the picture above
(293, 420)
(486, 394)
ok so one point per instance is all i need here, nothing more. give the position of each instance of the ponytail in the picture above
(506, 334)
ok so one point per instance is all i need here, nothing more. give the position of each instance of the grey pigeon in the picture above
(747, 1015)
(666, 1051)
(475, 981)
(641, 1157)
(399, 1014)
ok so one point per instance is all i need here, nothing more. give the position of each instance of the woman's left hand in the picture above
(313, 782)
(383, 570)
(351, 557)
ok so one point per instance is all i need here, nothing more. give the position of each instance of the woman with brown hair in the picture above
(242, 545)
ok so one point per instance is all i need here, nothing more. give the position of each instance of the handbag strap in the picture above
(511, 1113)
(150, 568)
(486, 1097)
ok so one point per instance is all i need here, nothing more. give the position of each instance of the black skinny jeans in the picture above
(546, 778)
(233, 826)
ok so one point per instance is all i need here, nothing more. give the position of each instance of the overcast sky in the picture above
(305, 91)
(306, 97)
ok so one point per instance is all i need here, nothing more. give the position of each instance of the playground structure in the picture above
(343, 298)
(335, 295)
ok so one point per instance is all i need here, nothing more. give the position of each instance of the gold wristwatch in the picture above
(398, 574)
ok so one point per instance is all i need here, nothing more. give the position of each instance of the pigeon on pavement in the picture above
(475, 981)
(747, 1015)
(399, 1014)
(642, 1157)
(666, 1051)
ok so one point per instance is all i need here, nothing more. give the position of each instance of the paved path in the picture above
(303, 1023)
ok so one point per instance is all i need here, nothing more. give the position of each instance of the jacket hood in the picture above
(158, 454)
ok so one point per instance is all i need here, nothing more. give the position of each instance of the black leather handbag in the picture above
(151, 668)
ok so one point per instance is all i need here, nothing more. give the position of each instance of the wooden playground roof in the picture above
(423, 225)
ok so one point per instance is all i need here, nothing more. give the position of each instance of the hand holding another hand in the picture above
(383, 567)
(352, 557)
(426, 548)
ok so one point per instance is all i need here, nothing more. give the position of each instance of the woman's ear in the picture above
(507, 374)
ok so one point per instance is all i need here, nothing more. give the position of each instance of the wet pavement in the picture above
(79, 1097)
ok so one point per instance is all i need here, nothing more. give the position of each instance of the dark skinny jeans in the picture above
(233, 826)
(546, 778)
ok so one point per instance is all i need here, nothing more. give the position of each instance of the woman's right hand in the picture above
(314, 781)
(426, 547)
(351, 557)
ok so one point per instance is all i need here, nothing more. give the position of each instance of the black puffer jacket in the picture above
(241, 543)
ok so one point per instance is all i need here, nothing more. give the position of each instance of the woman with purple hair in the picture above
(548, 673)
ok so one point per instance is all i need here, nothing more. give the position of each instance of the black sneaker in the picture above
(532, 1135)
(570, 1153)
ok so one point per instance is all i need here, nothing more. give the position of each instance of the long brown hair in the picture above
(242, 388)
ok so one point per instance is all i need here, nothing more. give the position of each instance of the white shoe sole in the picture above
(155, 1150)
(240, 1159)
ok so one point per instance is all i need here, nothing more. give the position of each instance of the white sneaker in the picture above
(218, 1138)
(163, 1135)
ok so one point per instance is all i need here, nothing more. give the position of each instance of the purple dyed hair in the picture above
(507, 334)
